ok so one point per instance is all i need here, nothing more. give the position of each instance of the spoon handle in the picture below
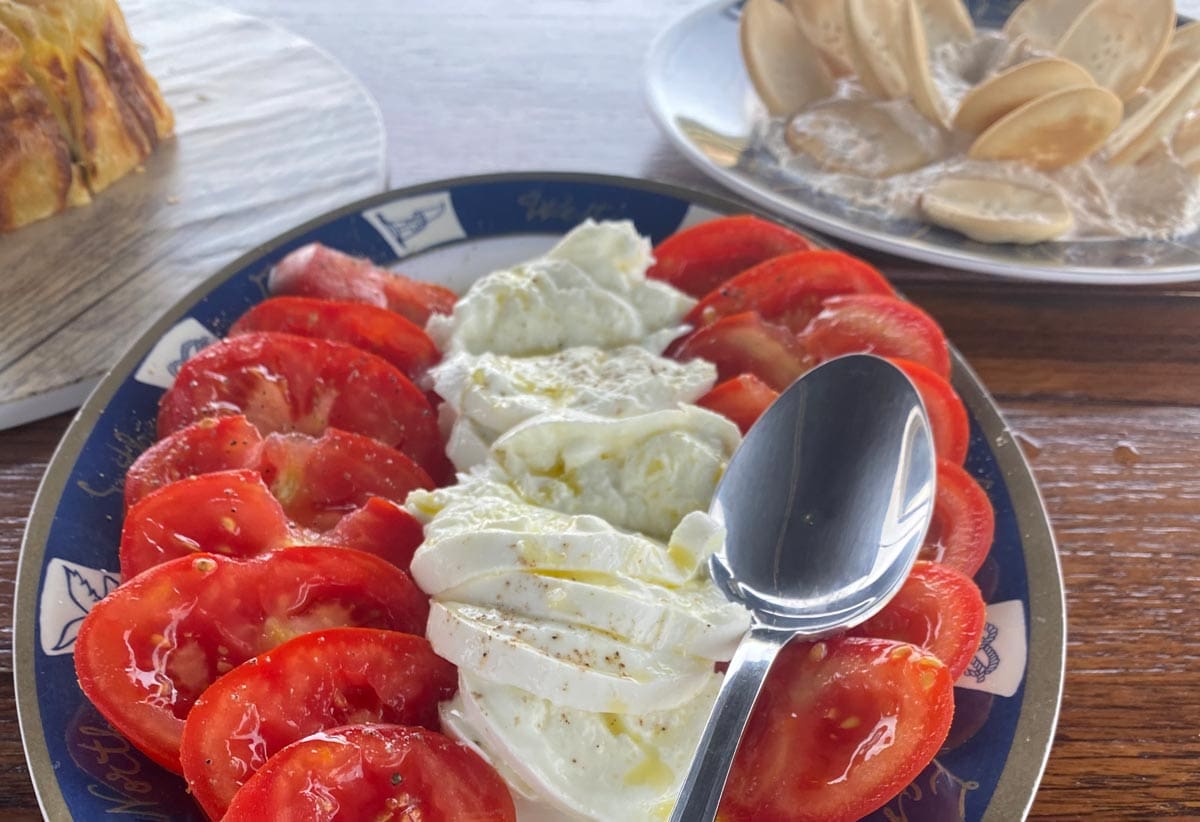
(705, 783)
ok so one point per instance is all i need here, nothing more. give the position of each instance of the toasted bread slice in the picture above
(996, 211)
(1053, 130)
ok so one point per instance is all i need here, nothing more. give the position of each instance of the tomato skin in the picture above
(746, 344)
(878, 324)
(185, 622)
(401, 342)
(318, 481)
(790, 289)
(234, 513)
(939, 609)
(316, 270)
(841, 727)
(231, 513)
(380, 527)
(210, 444)
(366, 771)
(947, 415)
(960, 534)
(284, 383)
(741, 399)
(698, 259)
(315, 681)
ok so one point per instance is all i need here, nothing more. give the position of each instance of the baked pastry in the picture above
(70, 64)
(37, 175)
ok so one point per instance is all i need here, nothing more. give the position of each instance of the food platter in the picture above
(701, 97)
(452, 232)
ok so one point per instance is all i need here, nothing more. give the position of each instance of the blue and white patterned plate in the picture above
(699, 94)
(453, 232)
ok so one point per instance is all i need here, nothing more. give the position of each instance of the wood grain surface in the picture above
(1102, 386)
(270, 131)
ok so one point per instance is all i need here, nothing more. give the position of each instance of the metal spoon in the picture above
(825, 505)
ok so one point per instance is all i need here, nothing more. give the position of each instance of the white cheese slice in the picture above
(575, 667)
(601, 766)
(694, 621)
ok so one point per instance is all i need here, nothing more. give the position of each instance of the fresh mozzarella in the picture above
(488, 394)
(596, 765)
(641, 473)
(576, 667)
(455, 725)
(590, 289)
(585, 636)
(696, 620)
(487, 535)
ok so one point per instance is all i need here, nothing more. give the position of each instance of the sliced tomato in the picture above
(746, 344)
(316, 270)
(231, 513)
(840, 728)
(937, 608)
(147, 651)
(379, 527)
(742, 400)
(283, 382)
(878, 324)
(947, 415)
(400, 341)
(374, 772)
(789, 290)
(316, 681)
(700, 258)
(210, 444)
(960, 534)
(234, 513)
(318, 481)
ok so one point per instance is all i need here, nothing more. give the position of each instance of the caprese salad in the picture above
(404, 554)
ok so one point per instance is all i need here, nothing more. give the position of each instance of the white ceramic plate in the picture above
(452, 232)
(699, 94)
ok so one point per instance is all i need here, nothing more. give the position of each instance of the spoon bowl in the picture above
(825, 505)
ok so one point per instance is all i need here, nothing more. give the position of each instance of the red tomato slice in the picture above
(233, 513)
(789, 290)
(379, 527)
(147, 650)
(320, 680)
(399, 341)
(374, 772)
(315, 270)
(746, 344)
(318, 481)
(211, 444)
(947, 415)
(937, 608)
(840, 728)
(283, 383)
(960, 534)
(698, 259)
(878, 324)
(742, 399)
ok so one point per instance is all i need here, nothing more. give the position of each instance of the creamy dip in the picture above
(1158, 198)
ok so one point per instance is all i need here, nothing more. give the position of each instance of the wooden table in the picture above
(1103, 385)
